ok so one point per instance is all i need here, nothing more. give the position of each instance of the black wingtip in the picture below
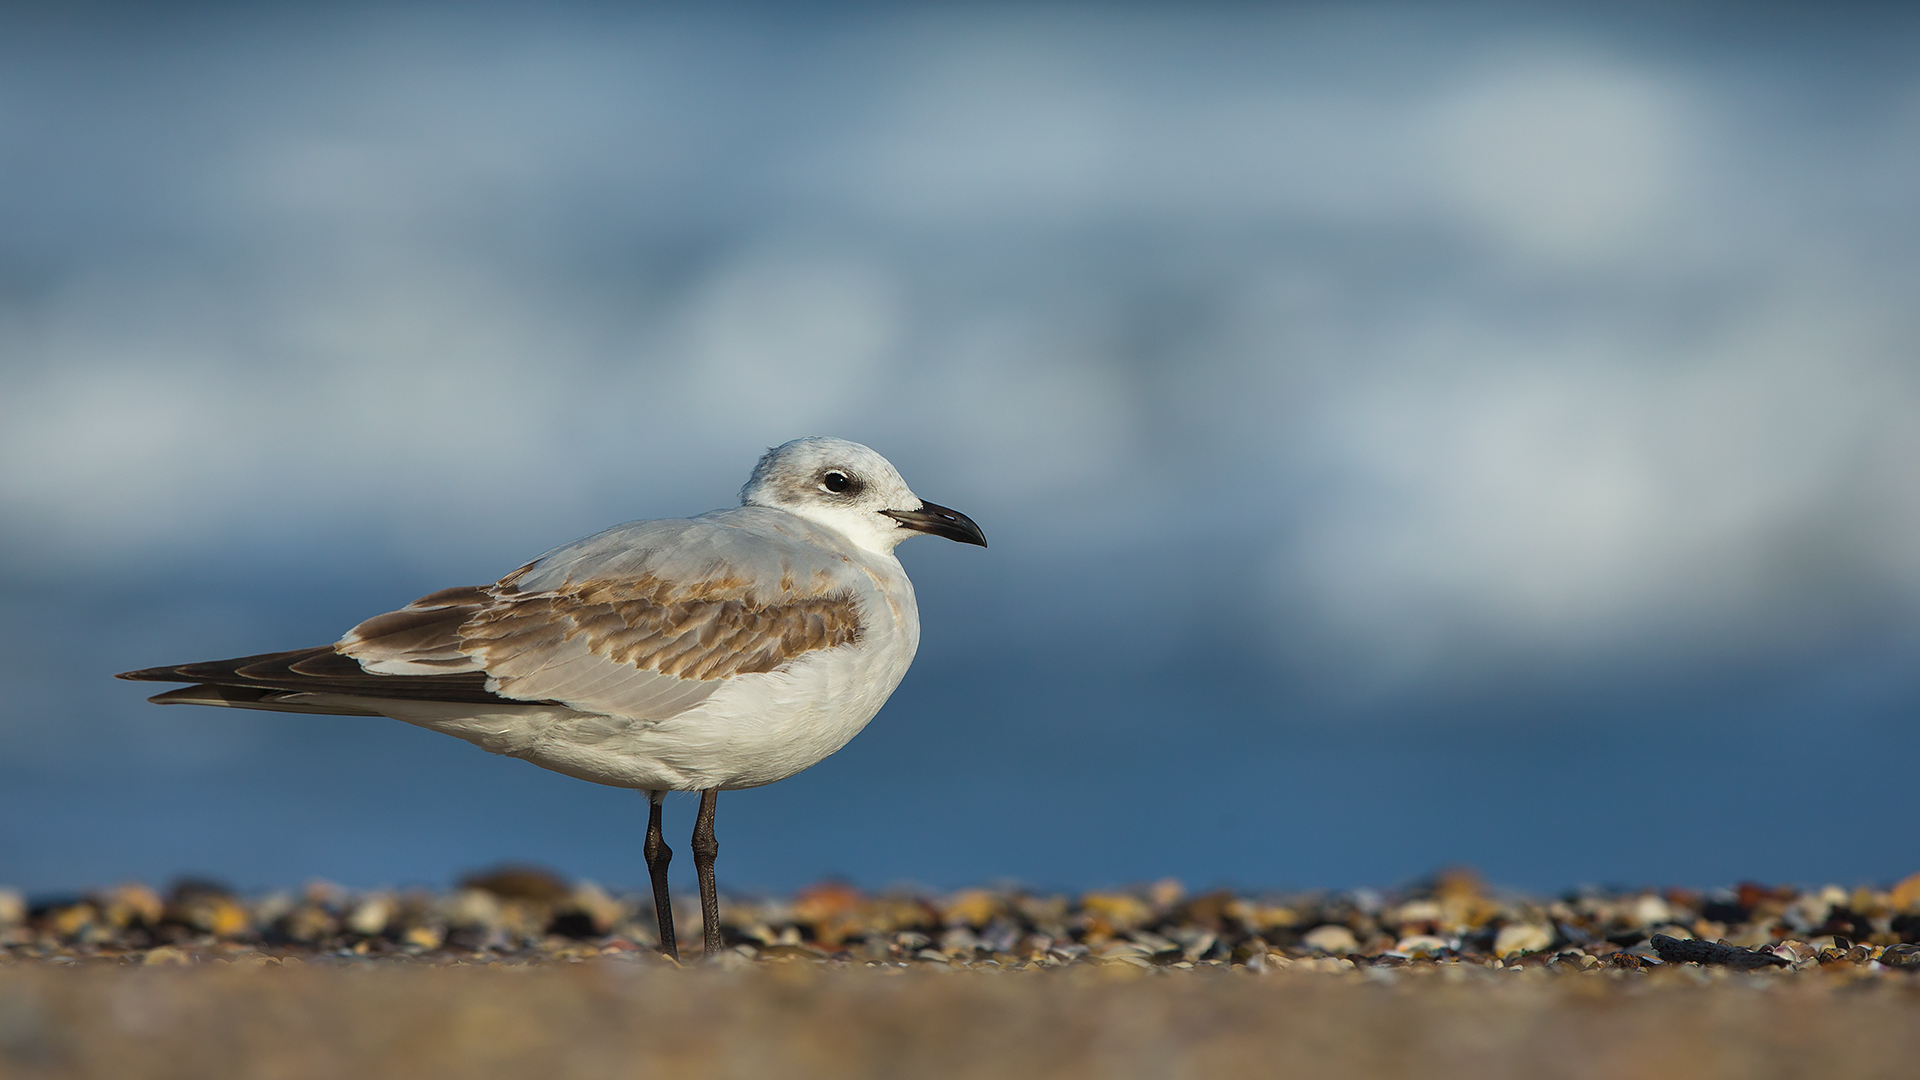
(250, 681)
(217, 670)
(153, 674)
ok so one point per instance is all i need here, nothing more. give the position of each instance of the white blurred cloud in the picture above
(1565, 156)
(988, 125)
(1553, 496)
(776, 336)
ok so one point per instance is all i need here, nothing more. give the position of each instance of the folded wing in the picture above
(634, 636)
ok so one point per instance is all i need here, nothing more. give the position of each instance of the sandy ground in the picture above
(645, 1018)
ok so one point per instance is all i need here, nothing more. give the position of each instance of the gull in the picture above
(708, 654)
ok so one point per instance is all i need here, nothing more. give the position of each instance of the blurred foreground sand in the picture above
(638, 1017)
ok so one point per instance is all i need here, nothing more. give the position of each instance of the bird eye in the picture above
(836, 481)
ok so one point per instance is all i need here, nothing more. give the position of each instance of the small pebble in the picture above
(1522, 938)
(1452, 925)
(1330, 939)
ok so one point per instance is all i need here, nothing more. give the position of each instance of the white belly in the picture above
(754, 730)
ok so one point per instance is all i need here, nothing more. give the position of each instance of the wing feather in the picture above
(642, 621)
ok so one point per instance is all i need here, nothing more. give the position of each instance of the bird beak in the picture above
(939, 521)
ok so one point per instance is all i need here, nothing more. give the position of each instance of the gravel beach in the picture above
(519, 973)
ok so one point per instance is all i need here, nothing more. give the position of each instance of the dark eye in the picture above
(836, 481)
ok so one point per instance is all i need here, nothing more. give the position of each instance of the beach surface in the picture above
(518, 973)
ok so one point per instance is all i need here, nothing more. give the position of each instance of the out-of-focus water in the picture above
(1406, 436)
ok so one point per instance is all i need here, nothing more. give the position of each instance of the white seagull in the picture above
(719, 652)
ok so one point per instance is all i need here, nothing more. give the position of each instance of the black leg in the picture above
(705, 847)
(658, 856)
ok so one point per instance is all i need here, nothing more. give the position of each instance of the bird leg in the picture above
(658, 856)
(705, 847)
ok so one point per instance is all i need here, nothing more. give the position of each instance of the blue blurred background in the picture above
(1409, 435)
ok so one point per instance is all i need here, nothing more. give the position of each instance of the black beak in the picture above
(939, 521)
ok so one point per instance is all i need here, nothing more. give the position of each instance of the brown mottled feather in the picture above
(710, 629)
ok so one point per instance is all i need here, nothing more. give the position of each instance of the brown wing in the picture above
(641, 646)
(644, 620)
(637, 648)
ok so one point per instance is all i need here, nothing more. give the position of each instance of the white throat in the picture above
(868, 531)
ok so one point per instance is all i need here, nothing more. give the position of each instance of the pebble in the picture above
(1648, 910)
(1522, 938)
(372, 916)
(1903, 957)
(519, 915)
(970, 907)
(1330, 939)
(1905, 894)
(1676, 951)
(1421, 945)
(1418, 911)
(1117, 911)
